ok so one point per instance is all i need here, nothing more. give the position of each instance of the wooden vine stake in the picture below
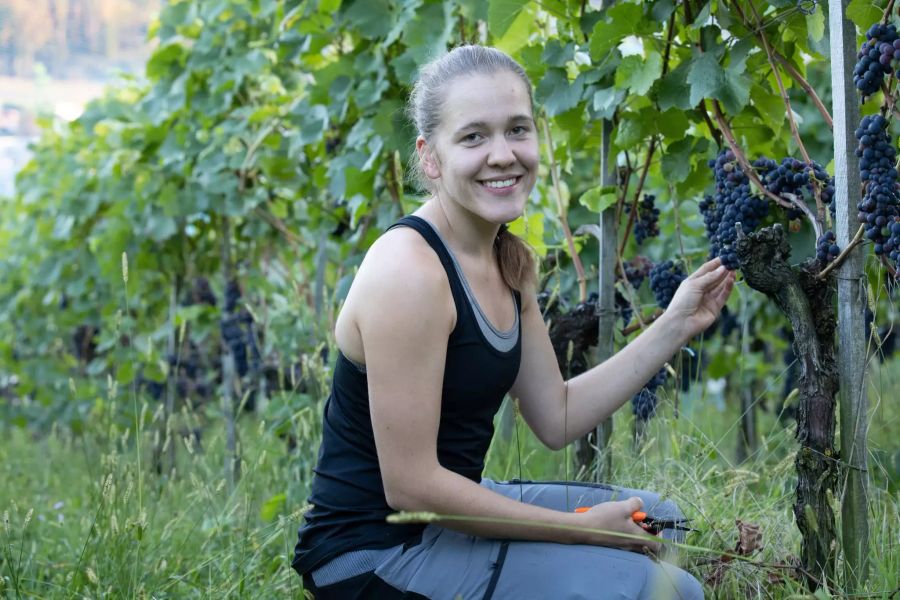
(851, 291)
(606, 310)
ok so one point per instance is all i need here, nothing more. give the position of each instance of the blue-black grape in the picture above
(796, 178)
(732, 203)
(646, 224)
(665, 278)
(826, 248)
(879, 209)
(875, 57)
(644, 403)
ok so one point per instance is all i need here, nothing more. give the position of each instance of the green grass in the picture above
(81, 522)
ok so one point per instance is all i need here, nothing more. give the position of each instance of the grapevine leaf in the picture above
(673, 124)
(517, 34)
(706, 78)
(673, 90)
(676, 160)
(770, 107)
(371, 18)
(626, 17)
(556, 94)
(604, 38)
(597, 199)
(557, 55)
(863, 13)
(735, 92)
(502, 14)
(606, 101)
(815, 24)
(636, 74)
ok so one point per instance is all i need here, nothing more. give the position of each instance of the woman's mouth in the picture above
(501, 185)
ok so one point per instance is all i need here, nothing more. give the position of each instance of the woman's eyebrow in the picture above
(484, 124)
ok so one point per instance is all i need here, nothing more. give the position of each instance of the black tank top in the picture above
(348, 501)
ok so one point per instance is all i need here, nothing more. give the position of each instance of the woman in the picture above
(440, 323)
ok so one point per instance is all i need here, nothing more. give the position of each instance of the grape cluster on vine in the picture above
(636, 270)
(647, 223)
(879, 209)
(875, 57)
(732, 203)
(826, 248)
(238, 332)
(665, 278)
(643, 404)
(794, 179)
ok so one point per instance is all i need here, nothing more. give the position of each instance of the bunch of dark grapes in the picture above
(879, 209)
(826, 248)
(238, 335)
(797, 178)
(874, 58)
(643, 404)
(665, 278)
(636, 270)
(732, 203)
(647, 223)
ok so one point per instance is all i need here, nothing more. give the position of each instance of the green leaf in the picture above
(604, 38)
(629, 132)
(625, 17)
(606, 101)
(735, 92)
(706, 78)
(597, 199)
(371, 18)
(673, 90)
(502, 14)
(673, 124)
(556, 94)
(770, 107)
(863, 13)
(815, 24)
(636, 74)
(676, 160)
(517, 34)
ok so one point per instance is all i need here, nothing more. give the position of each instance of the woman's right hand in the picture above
(616, 517)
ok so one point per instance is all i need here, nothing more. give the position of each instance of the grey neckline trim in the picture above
(504, 341)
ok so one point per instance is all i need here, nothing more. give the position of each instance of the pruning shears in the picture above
(652, 525)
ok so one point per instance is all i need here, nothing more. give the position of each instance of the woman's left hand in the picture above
(699, 298)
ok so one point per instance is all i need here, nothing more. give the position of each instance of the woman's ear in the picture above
(427, 159)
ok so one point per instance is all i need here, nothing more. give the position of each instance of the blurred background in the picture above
(55, 56)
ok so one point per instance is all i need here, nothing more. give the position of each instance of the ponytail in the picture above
(517, 265)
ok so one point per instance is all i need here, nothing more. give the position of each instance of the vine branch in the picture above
(856, 241)
(564, 221)
(791, 70)
(817, 193)
(637, 194)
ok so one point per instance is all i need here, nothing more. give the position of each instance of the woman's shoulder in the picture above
(400, 271)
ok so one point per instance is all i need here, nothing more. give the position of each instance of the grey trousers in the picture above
(449, 565)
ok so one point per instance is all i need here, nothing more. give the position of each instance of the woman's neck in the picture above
(466, 233)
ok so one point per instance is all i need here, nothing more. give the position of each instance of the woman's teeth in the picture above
(500, 184)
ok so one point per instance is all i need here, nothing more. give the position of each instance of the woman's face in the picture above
(484, 152)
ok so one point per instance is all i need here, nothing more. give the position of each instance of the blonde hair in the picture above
(517, 265)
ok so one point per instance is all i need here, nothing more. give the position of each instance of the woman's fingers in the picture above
(710, 265)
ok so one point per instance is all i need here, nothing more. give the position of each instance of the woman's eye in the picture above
(519, 130)
(472, 138)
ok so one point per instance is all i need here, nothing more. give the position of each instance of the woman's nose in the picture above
(501, 153)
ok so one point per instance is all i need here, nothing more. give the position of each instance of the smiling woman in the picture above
(441, 322)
